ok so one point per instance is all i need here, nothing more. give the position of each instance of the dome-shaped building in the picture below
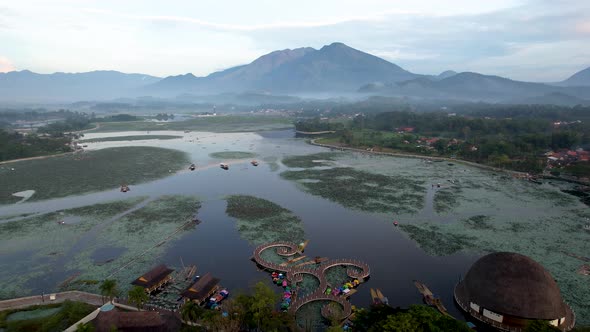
(508, 290)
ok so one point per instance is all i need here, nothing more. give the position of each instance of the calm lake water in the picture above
(216, 246)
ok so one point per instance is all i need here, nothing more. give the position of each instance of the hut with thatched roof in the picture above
(508, 290)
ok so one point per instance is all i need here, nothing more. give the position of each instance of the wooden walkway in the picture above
(356, 269)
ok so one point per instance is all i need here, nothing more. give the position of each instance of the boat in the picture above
(395, 223)
(224, 166)
(124, 188)
(192, 167)
(382, 298)
(430, 299)
(375, 297)
(254, 163)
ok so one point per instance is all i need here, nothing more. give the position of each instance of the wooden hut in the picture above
(155, 278)
(200, 291)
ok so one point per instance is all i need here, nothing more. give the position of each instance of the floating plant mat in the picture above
(141, 237)
(310, 160)
(230, 123)
(232, 155)
(127, 138)
(31, 245)
(557, 242)
(88, 171)
(261, 221)
(362, 190)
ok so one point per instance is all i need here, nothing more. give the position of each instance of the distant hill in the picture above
(335, 67)
(477, 87)
(581, 78)
(28, 86)
(553, 98)
(446, 74)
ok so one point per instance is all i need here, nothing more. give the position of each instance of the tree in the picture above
(540, 326)
(191, 312)
(85, 327)
(138, 296)
(264, 300)
(108, 289)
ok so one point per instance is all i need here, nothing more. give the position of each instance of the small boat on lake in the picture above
(254, 163)
(125, 188)
(224, 166)
(192, 167)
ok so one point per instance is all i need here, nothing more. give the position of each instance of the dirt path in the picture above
(28, 301)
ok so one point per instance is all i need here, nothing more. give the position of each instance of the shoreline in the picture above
(418, 156)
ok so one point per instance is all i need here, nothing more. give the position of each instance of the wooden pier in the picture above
(294, 274)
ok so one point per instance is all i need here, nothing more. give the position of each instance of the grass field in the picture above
(88, 171)
(261, 221)
(128, 138)
(230, 123)
(45, 318)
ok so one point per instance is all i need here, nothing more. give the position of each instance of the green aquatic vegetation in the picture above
(362, 190)
(260, 221)
(478, 222)
(232, 155)
(219, 124)
(434, 242)
(145, 231)
(30, 246)
(272, 163)
(128, 138)
(549, 241)
(310, 160)
(446, 199)
(89, 171)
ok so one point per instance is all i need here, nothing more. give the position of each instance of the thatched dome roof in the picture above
(512, 284)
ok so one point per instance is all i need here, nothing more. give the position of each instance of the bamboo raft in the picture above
(378, 297)
(191, 271)
(430, 299)
(302, 246)
(292, 260)
(69, 280)
(314, 261)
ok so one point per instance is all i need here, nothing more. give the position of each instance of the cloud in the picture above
(5, 65)
(254, 27)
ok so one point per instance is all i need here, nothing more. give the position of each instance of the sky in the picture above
(532, 40)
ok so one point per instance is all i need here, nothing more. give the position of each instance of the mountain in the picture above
(553, 98)
(476, 87)
(446, 74)
(581, 78)
(28, 86)
(333, 68)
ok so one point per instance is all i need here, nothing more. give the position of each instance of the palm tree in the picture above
(108, 289)
(138, 296)
(191, 311)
